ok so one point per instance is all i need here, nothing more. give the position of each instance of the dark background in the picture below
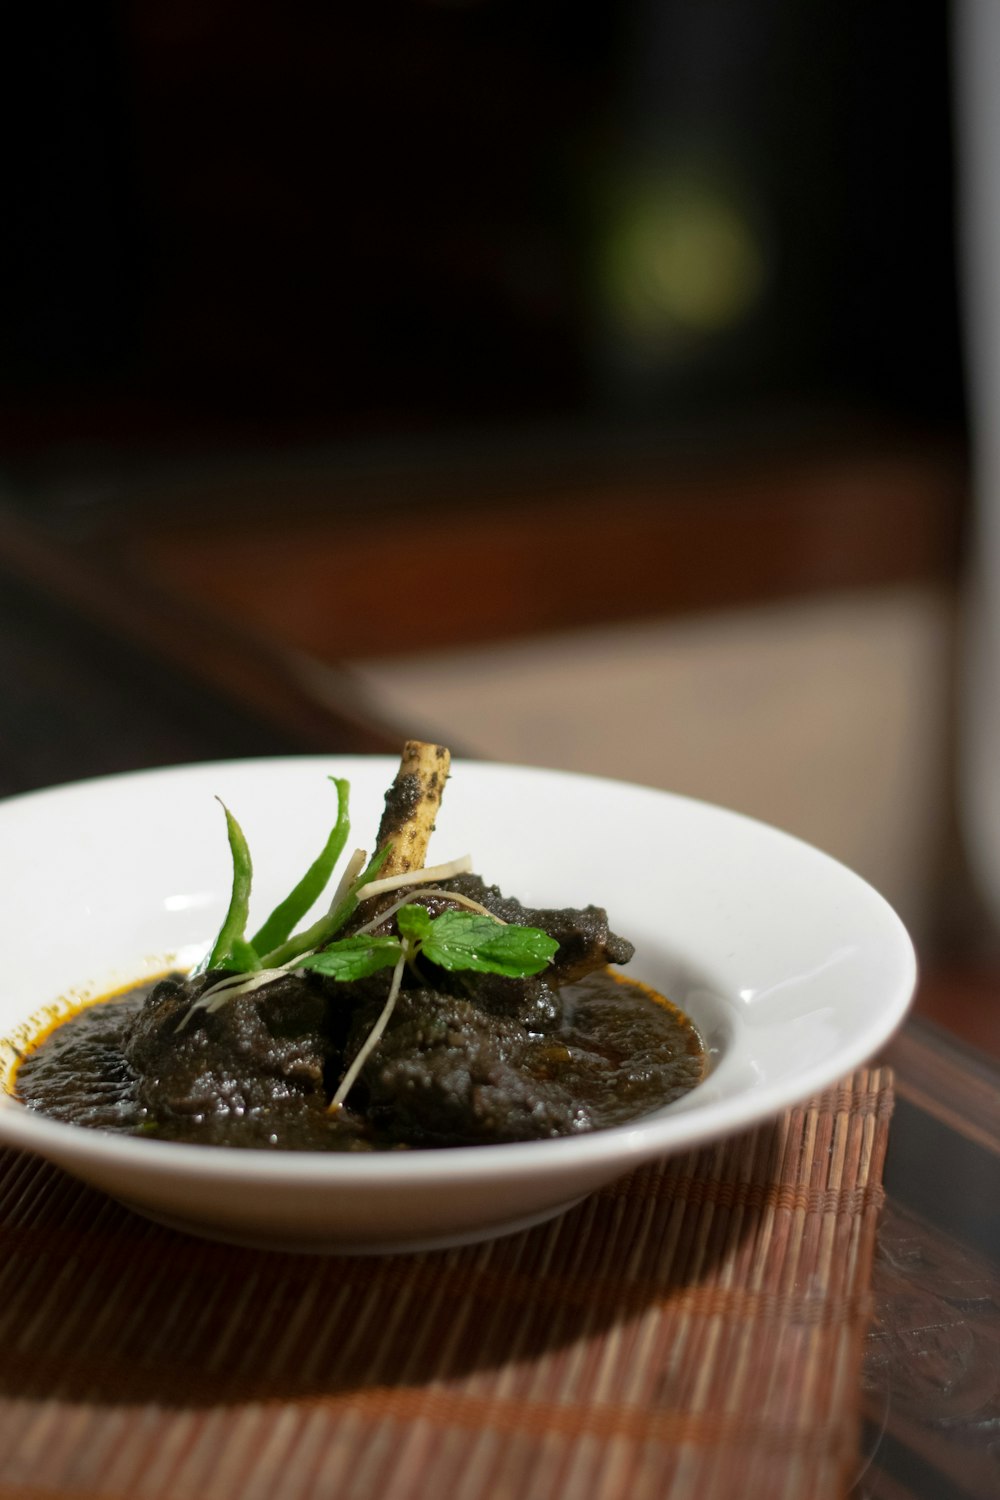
(251, 224)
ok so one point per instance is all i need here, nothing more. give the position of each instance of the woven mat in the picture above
(693, 1331)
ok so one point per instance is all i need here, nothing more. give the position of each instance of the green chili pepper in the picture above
(235, 921)
(313, 883)
(329, 925)
(242, 957)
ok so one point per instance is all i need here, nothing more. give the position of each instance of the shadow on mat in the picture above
(101, 1306)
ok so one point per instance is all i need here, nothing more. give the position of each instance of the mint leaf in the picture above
(354, 957)
(466, 940)
(455, 940)
(414, 922)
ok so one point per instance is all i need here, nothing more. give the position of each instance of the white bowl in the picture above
(794, 970)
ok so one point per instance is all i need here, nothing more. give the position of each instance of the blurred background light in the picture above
(682, 256)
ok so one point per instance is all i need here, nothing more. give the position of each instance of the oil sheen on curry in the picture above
(423, 1009)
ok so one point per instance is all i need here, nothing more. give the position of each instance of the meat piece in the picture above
(531, 1002)
(447, 1072)
(262, 1052)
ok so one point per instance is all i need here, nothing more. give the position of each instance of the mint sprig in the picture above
(468, 940)
(456, 940)
(355, 957)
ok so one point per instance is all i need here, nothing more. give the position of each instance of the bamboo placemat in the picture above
(694, 1331)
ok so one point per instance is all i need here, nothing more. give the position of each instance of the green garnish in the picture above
(355, 957)
(279, 924)
(469, 940)
(243, 957)
(234, 923)
(329, 925)
(271, 947)
(455, 940)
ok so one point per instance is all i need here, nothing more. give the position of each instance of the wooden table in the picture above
(932, 1366)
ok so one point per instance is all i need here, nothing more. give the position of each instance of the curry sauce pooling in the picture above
(248, 1077)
